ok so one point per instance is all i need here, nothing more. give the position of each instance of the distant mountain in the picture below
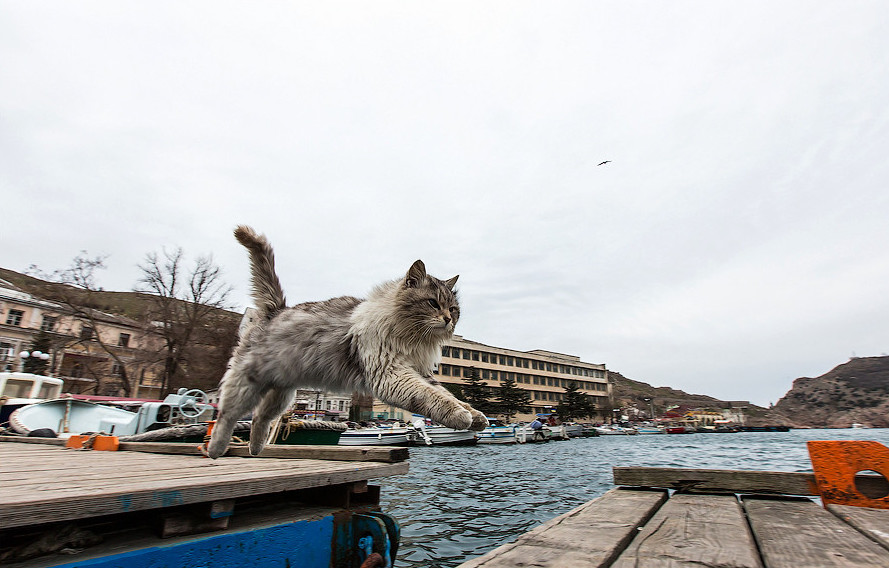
(854, 392)
(629, 392)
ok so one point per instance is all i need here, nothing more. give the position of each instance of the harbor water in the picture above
(457, 503)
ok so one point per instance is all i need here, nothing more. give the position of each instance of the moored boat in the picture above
(309, 432)
(590, 432)
(680, 430)
(429, 434)
(614, 430)
(21, 389)
(650, 430)
(526, 435)
(378, 436)
(497, 433)
(573, 430)
(67, 416)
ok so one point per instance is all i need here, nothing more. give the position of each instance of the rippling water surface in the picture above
(457, 503)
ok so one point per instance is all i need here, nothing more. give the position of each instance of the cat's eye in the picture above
(434, 304)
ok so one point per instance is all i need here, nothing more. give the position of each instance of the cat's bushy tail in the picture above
(267, 293)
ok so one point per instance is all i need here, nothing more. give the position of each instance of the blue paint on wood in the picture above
(302, 544)
(167, 498)
(126, 502)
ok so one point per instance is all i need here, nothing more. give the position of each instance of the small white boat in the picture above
(67, 416)
(651, 430)
(429, 434)
(526, 435)
(21, 389)
(615, 430)
(497, 433)
(378, 436)
(573, 430)
(558, 432)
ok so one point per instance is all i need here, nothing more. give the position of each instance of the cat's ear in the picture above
(415, 275)
(452, 282)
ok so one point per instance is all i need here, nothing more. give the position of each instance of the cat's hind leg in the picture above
(273, 404)
(238, 396)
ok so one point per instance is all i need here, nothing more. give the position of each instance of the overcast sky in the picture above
(736, 240)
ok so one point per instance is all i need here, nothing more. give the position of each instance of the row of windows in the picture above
(14, 317)
(535, 395)
(506, 360)
(468, 372)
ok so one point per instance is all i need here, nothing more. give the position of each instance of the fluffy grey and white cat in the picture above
(386, 345)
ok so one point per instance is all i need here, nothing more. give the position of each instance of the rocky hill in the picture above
(629, 392)
(854, 392)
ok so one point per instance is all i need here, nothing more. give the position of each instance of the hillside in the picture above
(629, 392)
(129, 304)
(854, 392)
(202, 356)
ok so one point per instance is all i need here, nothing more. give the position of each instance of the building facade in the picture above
(88, 354)
(543, 374)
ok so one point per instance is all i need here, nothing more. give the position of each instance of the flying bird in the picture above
(603, 163)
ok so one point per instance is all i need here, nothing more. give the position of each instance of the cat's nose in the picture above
(446, 319)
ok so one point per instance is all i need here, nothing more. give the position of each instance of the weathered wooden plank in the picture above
(177, 480)
(167, 471)
(26, 440)
(716, 480)
(389, 454)
(732, 481)
(110, 475)
(794, 533)
(873, 523)
(589, 536)
(694, 530)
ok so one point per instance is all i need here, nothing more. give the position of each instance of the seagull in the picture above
(603, 163)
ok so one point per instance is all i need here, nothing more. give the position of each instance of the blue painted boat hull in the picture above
(324, 542)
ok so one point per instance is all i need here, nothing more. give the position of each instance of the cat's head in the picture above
(428, 303)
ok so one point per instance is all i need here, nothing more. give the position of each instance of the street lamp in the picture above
(24, 356)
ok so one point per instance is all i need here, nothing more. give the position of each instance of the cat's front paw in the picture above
(460, 419)
(479, 421)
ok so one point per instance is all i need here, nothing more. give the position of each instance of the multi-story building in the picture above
(544, 374)
(87, 353)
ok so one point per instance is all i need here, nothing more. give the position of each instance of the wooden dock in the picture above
(46, 488)
(662, 517)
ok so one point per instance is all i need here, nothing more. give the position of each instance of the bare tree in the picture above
(186, 304)
(78, 295)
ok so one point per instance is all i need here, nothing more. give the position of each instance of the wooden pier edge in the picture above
(732, 481)
(591, 535)
(385, 454)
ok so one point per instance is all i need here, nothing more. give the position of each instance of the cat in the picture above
(386, 345)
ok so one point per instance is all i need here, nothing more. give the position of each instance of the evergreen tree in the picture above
(475, 392)
(512, 399)
(575, 404)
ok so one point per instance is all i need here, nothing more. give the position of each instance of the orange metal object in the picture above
(76, 441)
(101, 443)
(106, 443)
(835, 464)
